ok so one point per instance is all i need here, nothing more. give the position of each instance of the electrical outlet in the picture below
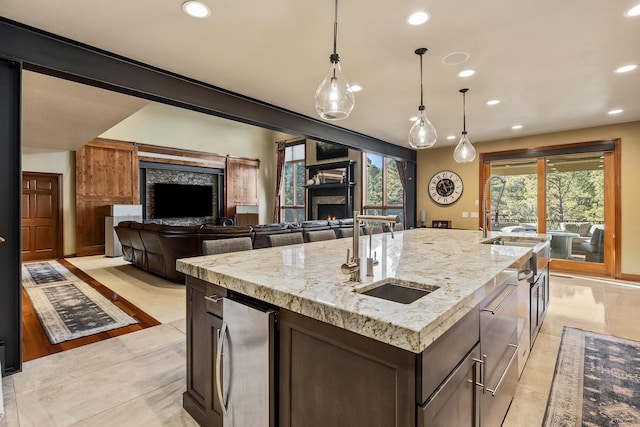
(465, 214)
(477, 202)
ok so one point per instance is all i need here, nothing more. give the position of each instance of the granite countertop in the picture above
(306, 279)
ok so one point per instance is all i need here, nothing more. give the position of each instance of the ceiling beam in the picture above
(51, 54)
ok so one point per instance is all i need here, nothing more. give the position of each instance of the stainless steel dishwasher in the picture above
(245, 365)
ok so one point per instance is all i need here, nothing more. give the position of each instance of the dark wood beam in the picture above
(60, 57)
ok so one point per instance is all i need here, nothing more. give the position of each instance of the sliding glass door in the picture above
(567, 193)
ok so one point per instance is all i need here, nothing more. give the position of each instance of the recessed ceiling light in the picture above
(466, 73)
(634, 11)
(616, 111)
(455, 58)
(516, 127)
(355, 88)
(451, 137)
(626, 68)
(196, 9)
(418, 18)
(493, 102)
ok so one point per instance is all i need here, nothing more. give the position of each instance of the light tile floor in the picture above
(138, 379)
(588, 303)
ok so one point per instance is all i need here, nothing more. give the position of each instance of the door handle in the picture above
(219, 352)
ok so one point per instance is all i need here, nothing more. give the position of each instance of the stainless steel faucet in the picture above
(352, 266)
(485, 213)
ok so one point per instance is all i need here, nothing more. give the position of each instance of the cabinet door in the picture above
(456, 402)
(197, 344)
(241, 184)
(332, 377)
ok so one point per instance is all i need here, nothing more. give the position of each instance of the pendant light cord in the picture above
(421, 85)
(464, 110)
(335, 29)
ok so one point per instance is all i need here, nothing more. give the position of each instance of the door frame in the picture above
(612, 266)
(60, 225)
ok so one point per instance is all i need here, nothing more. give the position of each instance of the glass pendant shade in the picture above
(464, 152)
(422, 134)
(334, 98)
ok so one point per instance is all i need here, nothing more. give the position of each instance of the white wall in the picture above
(64, 162)
(163, 125)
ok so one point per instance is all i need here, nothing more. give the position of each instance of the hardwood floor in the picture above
(35, 343)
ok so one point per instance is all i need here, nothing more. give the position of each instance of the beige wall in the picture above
(433, 160)
(63, 162)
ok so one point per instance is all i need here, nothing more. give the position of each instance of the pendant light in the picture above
(464, 152)
(423, 133)
(334, 98)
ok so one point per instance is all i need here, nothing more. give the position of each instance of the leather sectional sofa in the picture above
(156, 247)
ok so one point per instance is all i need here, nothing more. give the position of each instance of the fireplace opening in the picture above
(330, 211)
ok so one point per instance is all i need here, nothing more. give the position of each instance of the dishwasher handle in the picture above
(224, 403)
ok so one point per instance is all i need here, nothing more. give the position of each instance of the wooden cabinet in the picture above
(333, 377)
(204, 320)
(106, 174)
(328, 376)
(241, 184)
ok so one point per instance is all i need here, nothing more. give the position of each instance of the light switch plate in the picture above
(474, 215)
(465, 214)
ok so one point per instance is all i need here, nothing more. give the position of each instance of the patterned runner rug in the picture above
(596, 382)
(67, 307)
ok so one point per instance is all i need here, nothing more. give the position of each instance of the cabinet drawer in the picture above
(441, 357)
(213, 299)
(498, 326)
(456, 402)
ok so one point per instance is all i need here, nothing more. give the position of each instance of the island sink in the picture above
(513, 241)
(399, 291)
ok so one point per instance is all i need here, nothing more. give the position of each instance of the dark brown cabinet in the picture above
(204, 320)
(333, 377)
(328, 376)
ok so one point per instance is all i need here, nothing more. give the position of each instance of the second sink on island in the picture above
(395, 290)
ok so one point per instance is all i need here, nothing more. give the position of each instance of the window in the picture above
(568, 193)
(383, 193)
(292, 196)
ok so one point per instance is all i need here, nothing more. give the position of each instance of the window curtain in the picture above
(401, 165)
(282, 145)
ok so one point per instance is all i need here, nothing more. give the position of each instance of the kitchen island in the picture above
(342, 357)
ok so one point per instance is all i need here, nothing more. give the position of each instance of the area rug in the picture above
(596, 382)
(68, 307)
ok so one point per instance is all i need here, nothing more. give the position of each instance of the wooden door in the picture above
(241, 184)
(41, 216)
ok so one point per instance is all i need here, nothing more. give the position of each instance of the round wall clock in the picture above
(445, 187)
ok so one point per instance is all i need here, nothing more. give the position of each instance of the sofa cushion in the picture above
(585, 229)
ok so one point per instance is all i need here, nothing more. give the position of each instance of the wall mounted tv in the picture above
(182, 200)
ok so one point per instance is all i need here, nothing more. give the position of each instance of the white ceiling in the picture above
(65, 115)
(550, 62)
